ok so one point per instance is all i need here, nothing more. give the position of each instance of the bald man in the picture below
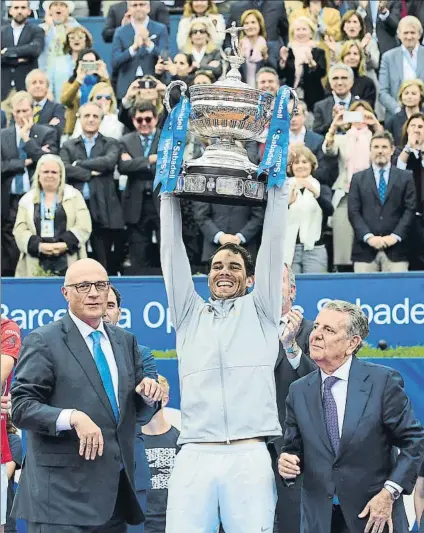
(78, 389)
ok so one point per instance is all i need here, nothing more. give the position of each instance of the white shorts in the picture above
(234, 485)
(3, 501)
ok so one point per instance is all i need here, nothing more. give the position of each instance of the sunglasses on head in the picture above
(105, 96)
(142, 120)
(199, 30)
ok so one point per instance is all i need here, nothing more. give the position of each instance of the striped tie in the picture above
(36, 111)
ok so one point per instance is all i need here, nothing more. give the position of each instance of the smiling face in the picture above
(267, 81)
(59, 11)
(352, 27)
(38, 86)
(409, 36)
(227, 277)
(200, 6)
(411, 96)
(49, 176)
(302, 167)
(301, 31)
(199, 35)
(341, 83)
(251, 26)
(353, 57)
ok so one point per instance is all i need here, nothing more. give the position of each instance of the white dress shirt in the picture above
(294, 361)
(17, 30)
(26, 180)
(298, 138)
(63, 421)
(410, 63)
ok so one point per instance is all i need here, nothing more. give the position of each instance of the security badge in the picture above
(47, 224)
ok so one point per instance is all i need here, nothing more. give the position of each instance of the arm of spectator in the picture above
(133, 165)
(202, 212)
(354, 206)
(28, 51)
(104, 163)
(392, 20)
(58, 120)
(283, 23)
(370, 92)
(410, 206)
(324, 200)
(110, 26)
(254, 225)
(386, 99)
(35, 151)
(69, 93)
(11, 167)
(328, 167)
(77, 235)
(372, 54)
(121, 54)
(292, 439)
(73, 171)
(321, 123)
(21, 231)
(214, 64)
(149, 363)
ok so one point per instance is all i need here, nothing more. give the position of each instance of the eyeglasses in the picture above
(141, 120)
(85, 286)
(201, 31)
(105, 96)
(76, 35)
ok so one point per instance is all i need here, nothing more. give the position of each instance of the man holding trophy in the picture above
(228, 345)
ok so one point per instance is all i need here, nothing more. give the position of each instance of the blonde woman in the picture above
(53, 223)
(200, 45)
(411, 100)
(200, 8)
(353, 55)
(353, 151)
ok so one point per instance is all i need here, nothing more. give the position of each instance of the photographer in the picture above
(180, 68)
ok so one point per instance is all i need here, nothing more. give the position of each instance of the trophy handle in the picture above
(296, 102)
(173, 84)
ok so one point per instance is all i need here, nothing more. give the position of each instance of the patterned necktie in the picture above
(382, 186)
(19, 179)
(36, 111)
(104, 371)
(330, 413)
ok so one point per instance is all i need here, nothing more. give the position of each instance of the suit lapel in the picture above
(399, 65)
(10, 140)
(45, 111)
(22, 35)
(281, 354)
(391, 183)
(135, 145)
(118, 352)
(313, 399)
(9, 41)
(372, 183)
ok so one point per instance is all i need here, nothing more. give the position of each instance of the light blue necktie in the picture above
(382, 186)
(104, 371)
(89, 144)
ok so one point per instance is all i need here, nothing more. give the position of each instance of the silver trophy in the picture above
(226, 111)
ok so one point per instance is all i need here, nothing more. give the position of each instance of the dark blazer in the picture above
(124, 66)
(56, 371)
(367, 215)
(323, 113)
(30, 46)
(52, 110)
(3, 119)
(416, 9)
(328, 166)
(378, 417)
(158, 12)
(212, 218)
(140, 176)
(208, 58)
(105, 209)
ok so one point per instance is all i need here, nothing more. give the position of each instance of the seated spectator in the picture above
(405, 62)
(22, 145)
(352, 55)
(411, 100)
(200, 45)
(77, 39)
(21, 45)
(203, 77)
(53, 223)
(89, 70)
(353, 150)
(267, 80)
(309, 203)
(178, 69)
(56, 23)
(200, 8)
(381, 208)
(90, 162)
(137, 46)
(102, 94)
(303, 65)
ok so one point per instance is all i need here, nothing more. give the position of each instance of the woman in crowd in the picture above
(411, 100)
(89, 70)
(303, 65)
(180, 68)
(200, 46)
(309, 205)
(352, 55)
(77, 39)
(53, 223)
(200, 8)
(103, 95)
(353, 150)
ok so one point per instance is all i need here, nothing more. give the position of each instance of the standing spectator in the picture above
(21, 44)
(90, 162)
(267, 80)
(411, 100)
(118, 15)
(22, 145)
(200, 8)
(352, 55)
(53, 223)
(382, 202)
(139, 202)
(178, 69)
(353, 150)
(15, 445)
(137, 46)
(405, 62)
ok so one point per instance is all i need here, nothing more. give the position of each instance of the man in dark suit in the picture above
(21, 44)
(90, 162)
(118, 16)
(22, 145)
(345, 424)
(381, 206)
(79, 386)
(137, 46)
(139, 202)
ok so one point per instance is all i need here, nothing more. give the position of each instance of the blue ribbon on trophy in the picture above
(171, 146)
(277, 143)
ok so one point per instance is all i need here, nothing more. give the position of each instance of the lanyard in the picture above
(49, 213)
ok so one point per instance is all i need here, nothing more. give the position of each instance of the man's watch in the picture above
(394, 493)
(293, 348)
(407, 149)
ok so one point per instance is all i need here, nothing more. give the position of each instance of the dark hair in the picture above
(236, 249)
(74, 29)
(346, 17)
(117, 294)
(404, 137)
(80, 56)
(142, 107)
(383, 135)
(208, 73)
(189, 57)
(307, 3)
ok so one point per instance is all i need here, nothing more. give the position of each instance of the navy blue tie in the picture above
(19, 179)
(104, 371)
(330, 413)
(382, 186)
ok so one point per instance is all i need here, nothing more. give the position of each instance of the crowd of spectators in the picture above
(79, 140)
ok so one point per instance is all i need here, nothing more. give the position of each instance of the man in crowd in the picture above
(351, 430)
(90, 162)
(381, 207)
(79, 388)
(140, 203)
(21, 44)
(22, 145)
(267, 80)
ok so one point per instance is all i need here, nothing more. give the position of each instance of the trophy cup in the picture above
(226, 111)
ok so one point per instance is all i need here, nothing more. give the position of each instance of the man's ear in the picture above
(250, 281)
(65, 293)
(354, 342)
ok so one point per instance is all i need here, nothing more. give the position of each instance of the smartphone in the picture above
(164, 55)
(89, 66)
(353, 116)
(146, 84)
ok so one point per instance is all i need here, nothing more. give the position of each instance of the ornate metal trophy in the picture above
(225, 111)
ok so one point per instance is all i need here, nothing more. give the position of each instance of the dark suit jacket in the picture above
(323, 113)
(158, 12)
(208, 58)
(378, 417)
(3, 119)
(367, 215)
(212, 218)
(416, 9)
(124, 66)
(328, 166)
(56, 371)
(140, 176)
(105, 209)
(53, 110)
(30, 46)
